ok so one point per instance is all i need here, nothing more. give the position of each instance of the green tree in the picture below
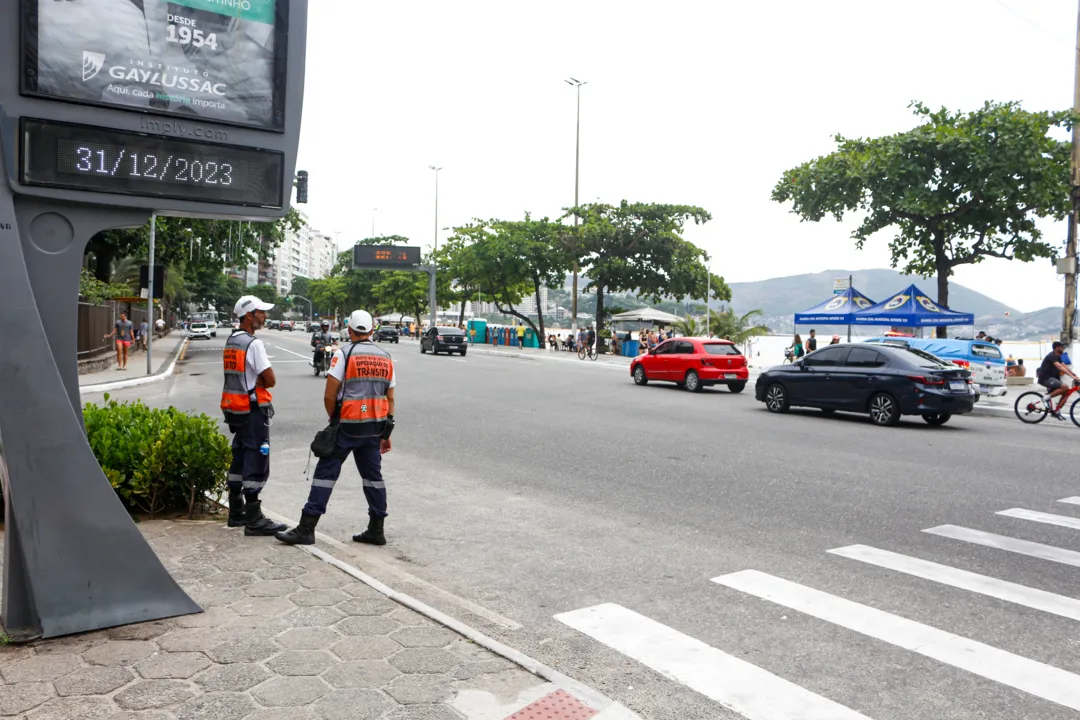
(689, 327)
(956, 189)
(330, 294)
(639, 247)
(736, 328)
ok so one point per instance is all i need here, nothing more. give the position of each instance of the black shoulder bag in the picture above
(325, 442)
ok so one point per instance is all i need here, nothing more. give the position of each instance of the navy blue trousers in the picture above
(365, 452)
(250, 469)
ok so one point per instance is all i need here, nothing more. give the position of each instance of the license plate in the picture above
(730, 376)
(957, 386)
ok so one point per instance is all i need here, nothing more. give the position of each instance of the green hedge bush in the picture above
(158, 460)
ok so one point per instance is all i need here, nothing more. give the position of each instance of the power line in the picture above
(1036, 25)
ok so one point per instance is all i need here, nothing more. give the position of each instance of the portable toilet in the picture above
(530, 338)
(477, 330)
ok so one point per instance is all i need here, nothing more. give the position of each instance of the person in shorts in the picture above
(124, 332)
(1049, 375)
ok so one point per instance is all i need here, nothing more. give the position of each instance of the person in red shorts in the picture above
(124, 333)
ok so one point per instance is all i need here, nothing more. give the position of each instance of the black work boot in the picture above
(236, 510)
(374, 533)
(302, 534)
(256, 522)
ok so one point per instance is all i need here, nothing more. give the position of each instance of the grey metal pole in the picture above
(431, 294)
(150, 299)
(1068, 320)
(708, 292)
(577, 185)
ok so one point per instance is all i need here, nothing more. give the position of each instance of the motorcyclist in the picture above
(320, 339)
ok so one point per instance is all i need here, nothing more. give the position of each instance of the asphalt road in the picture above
(521, 489)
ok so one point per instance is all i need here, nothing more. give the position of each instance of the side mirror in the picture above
(803, 366)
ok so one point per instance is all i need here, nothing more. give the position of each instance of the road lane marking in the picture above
(1070, 500)
(1013, 545)
(1001, 589)
(1030, 676)
(306, 357)
(1048, 518)
(736, 684)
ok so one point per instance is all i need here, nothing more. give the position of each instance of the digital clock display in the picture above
(385, 256)
(79, 157)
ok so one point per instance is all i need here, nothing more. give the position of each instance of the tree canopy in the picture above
(956, 189)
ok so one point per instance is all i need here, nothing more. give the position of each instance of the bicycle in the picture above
(1030, 407)
(586, 351)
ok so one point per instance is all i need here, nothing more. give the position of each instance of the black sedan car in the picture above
(443, 339)
(387, 334)
(886, 382)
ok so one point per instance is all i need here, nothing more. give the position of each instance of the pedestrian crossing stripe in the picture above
(1030, 676)
(1013, 545)
(1048, 518)
(736, 684)
(1001, 589)
(1070, 500)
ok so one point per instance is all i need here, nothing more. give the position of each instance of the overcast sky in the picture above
(702, 103)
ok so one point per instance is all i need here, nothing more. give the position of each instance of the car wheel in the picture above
(462, 353)
(936, 419)
(693, 382)
(423, 350)
(883, 410)
(776, 399)
(737, 387)
(213, 334)
(639, 376)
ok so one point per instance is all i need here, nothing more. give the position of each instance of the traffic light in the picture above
(301, 186)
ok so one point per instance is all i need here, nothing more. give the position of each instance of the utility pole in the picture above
(577, 175)
(150, 299)
(1069, 311)
(436, 169)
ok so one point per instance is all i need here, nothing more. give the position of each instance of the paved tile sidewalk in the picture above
(283, 635)
(164, 349)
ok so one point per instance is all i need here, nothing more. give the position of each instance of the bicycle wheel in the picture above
(1073, 413)
(1029, 407)
(581, 353)
(592, 353)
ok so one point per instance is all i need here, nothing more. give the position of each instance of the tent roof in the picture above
(837, 310)
(650, 315)
(911, 308)
(395, 317)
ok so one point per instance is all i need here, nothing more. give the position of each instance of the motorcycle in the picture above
(321, 363)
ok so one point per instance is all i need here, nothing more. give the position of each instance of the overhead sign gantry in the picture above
(110, 111)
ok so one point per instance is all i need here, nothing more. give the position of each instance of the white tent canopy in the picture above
(647, 315)
(395, 318)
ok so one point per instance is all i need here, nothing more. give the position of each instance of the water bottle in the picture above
(265, 447)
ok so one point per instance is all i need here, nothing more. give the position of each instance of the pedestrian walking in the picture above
(123, 332)
(359, 399)
(248, 408)
(797, 347)
(811, 342)
(141, 337)
(520, 334)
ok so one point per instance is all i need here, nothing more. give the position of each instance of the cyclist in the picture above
(1049, 376)
(590, 339)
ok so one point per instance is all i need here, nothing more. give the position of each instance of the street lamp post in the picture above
(436, 169)
(373, 211)
(310, 308)
(577, 174)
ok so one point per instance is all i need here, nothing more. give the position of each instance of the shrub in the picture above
(157, 459)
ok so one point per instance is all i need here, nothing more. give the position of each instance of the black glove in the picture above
(388, 427)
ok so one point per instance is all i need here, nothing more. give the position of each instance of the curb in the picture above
(538, 356)
(134, 382)
(605, 706)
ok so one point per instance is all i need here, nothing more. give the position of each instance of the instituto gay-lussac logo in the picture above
(896, 302)
(927, 303)
(92, 63)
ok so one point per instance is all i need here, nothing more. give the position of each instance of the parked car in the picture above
(200, 330)
(885, 381)
(443, 339)
(693, 363)
(273, 324)
(983, 359)
(387, 334)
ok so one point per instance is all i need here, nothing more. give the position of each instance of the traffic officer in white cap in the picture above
(247, 406)
(359, 398)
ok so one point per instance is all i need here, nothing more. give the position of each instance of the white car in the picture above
(201, 330)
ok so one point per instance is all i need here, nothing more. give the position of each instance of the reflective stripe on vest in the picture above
(364, 405)
(235, 396)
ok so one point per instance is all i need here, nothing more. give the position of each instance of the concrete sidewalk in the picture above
(284, 635)
(164, 353)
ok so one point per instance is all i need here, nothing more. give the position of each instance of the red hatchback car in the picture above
(693, 363)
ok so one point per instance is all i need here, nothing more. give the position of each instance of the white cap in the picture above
(360, 321)
(248, 303)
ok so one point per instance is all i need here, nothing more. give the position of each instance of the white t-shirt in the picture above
(337, 370)
(256, 363)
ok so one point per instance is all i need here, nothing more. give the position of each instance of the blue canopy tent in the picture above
(911, 308)
(837, 310)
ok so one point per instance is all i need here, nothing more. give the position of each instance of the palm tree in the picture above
(690, 327)
(737, 329)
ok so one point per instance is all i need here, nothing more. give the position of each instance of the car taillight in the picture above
(962, 363)
(923, 380)
(438, 337)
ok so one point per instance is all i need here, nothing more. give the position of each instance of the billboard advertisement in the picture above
(218, 60)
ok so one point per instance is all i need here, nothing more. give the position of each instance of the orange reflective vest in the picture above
(236, 396)
(364, 405)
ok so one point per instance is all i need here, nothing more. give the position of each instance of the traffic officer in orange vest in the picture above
(359, 397)
(247, 406)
